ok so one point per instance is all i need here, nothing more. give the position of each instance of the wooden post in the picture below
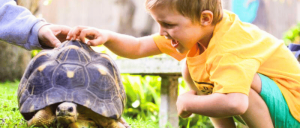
(169, 92)
(169, 70)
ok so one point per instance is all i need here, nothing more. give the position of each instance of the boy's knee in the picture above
(256, 83)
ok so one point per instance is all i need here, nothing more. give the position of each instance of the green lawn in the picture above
(10, 116)
(9, 112)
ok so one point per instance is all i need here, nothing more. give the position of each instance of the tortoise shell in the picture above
(72, 72)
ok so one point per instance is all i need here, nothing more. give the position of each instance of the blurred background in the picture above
(130, 16)
(279, 17)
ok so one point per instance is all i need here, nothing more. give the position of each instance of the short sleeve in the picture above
(164, 45)
(232, 74)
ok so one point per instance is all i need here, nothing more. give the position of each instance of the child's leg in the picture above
(257, 115)
(277, 106)
(223, 122)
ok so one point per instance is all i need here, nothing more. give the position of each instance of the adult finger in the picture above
(60, 31)
(64, 29)
(50, 37)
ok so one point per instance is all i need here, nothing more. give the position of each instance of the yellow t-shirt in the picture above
(235, 53)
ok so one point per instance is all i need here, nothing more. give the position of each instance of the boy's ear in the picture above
(206, 18)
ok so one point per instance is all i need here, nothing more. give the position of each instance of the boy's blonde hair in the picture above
(190, 8)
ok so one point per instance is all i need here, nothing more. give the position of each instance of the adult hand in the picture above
(95, 36)
(182, 103)
(53, 35)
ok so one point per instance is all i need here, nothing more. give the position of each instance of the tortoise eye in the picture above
(70, 109)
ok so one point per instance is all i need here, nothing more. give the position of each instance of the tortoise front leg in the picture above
(115, 124)
(123, 121)
(118, 124)
(83, 124)
(43, 117)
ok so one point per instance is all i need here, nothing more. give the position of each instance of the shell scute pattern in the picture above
(40, 81)
(36, 62)
(55, 95)
(75, 73)
(78, 80)
(73, 54)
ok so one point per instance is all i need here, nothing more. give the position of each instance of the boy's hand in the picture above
(95, 36)
(182, 103)
(53, 35)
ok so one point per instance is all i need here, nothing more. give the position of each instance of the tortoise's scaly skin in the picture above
(74, 73)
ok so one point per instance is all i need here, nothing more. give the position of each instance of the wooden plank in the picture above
(150, 66)
(168, 112)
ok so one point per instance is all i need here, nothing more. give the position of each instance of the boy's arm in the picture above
(131, 47)
(123, 45)
(215, 105)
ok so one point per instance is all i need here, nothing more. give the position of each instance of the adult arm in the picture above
(18, 26)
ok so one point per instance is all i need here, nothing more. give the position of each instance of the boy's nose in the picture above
(162, 31)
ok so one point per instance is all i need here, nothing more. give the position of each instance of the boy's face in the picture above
(183, 33)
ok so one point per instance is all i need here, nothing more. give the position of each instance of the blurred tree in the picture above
(126, 16)
(147, 30)
(14, 59)
(32, 5)
(126, 11)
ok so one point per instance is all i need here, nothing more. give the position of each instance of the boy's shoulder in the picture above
(231, 28)
(232, 34)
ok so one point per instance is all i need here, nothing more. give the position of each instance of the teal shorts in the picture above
(277, 105)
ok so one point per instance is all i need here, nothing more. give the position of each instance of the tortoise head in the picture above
(66, 113)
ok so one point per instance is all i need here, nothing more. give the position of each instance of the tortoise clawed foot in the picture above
(122, 120)
(43, 117)
(118, 124)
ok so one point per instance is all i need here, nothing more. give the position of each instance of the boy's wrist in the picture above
(110, 36)
(186, 100)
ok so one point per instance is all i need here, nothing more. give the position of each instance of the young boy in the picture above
(233, 69)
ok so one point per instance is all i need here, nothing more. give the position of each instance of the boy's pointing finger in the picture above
(86, 33)
(73, 33)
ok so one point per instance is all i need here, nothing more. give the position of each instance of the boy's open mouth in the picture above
(174, 43)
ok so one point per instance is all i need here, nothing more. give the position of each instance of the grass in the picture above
(9, 113)
(10, 116)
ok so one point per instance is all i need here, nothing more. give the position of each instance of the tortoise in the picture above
(72, 86)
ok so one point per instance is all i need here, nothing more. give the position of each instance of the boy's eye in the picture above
(168, 25)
